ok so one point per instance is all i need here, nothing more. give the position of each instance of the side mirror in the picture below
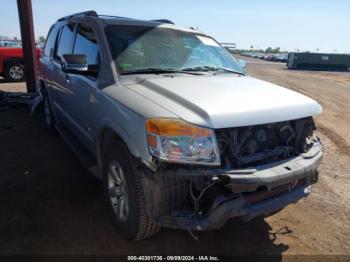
(242, 63)
(74, 64)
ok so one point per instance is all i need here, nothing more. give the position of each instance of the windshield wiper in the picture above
(157, 71)
(211, 68)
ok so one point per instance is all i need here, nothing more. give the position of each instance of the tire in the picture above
(49, 118)
(14, 72)
(125, 195)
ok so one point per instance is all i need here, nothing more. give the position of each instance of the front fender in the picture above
(108, 124)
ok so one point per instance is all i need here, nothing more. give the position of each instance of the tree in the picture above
(42, 39)
(275, 50)
(272, 50)
(268, 50)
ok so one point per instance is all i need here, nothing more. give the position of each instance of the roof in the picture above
(137, 22)
(118, 20)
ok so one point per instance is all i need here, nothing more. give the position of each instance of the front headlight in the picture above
(177, 141)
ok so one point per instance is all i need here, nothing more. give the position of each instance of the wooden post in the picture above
(28, 43)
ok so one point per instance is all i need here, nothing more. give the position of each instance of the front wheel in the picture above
(124, 193)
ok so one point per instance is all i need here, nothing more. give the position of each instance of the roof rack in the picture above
(86, 13)
(114, 16)
(93, 13)
(165, 21)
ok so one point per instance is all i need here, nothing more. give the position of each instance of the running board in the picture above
(85, 157)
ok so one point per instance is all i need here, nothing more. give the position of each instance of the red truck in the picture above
(11, 63)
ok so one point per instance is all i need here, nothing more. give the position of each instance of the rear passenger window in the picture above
(65, 43)
(86, 44)
(50, 42)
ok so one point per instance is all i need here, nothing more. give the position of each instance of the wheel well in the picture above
(42, 86)
(106, 136)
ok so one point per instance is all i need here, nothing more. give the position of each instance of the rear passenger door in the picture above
(81, 87)
(46, 67)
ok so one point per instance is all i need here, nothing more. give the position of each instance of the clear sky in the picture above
(291, 25)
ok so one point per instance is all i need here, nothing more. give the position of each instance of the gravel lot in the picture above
(51, 205)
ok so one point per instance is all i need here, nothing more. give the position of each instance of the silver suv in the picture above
(178, 132)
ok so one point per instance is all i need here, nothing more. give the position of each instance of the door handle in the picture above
(67, 78)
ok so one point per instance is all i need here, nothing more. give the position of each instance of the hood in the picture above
(225, 100)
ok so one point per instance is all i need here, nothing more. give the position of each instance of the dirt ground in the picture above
(51, 205)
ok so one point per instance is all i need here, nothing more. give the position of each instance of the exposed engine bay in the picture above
(246, 146)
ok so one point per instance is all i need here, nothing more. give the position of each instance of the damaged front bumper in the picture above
(239, 207)
(261, 191)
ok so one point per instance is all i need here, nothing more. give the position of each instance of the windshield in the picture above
(137, 48)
